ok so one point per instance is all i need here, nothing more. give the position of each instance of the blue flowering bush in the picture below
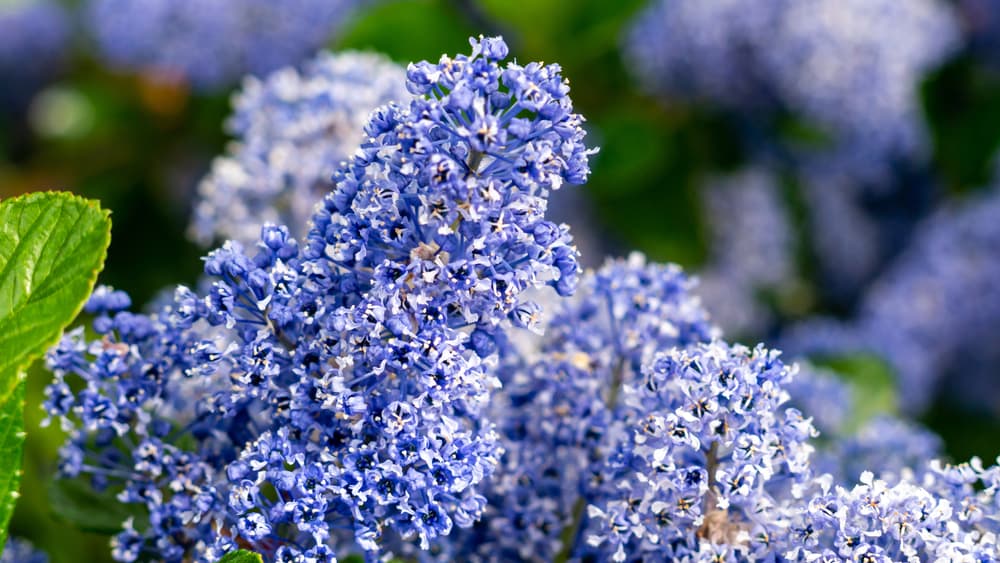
(423, 369)
(364, 308)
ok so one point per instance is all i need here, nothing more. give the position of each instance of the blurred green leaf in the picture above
(389, 28)
(632, 144)
(965, 431)
(962, 103)
(872, 382)
(797, 131)
(580, 28)
(241, 556)
(52, 246)
(646, 177)
(76, 502)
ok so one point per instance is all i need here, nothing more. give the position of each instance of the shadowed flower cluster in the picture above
(851, 67)
(559, 413)
(752, 250)
(943, 513)
(30, 30)
(919, 316)
(211, 43)
(20, 551)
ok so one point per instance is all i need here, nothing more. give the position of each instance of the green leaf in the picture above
(52, 245)
(962, 105)
(241, 556)
(76, 502)
(385, 27)
(872, 383)
(11, 447)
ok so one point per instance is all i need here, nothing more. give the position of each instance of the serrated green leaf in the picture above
(241, 556)
(11, 447)
(52, 245)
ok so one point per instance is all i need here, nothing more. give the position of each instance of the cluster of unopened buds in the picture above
(427, 373)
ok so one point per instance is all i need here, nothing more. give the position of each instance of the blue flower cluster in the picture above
(850, 455)
(851, 67)
(704, 50)
(918, 315)
(559, 413)
(711, 450)
(846, 240)
(757, 266)
(826, 52)
(30, 30)
(212, 43)
(20, 551)
(632, 433)
(848, 70)
(328, 397)
(947, 513)
(292, 129)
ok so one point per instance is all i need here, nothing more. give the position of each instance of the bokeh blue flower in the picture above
(211, 43)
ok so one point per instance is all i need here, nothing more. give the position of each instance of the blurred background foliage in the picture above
(141, 145)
